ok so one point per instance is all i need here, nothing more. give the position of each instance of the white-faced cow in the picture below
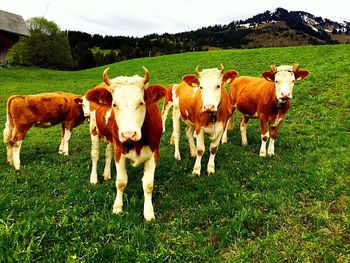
(266, 98)
(204, 105)
(41, 110)
(133, 123)
(96, 105)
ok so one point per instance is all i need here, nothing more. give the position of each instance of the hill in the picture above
(292, 207)
(269, 29)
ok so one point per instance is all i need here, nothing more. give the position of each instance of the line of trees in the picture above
(50, 47)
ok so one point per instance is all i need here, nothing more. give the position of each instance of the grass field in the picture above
(294, 207)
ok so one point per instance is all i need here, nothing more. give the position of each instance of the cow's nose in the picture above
(209, 108)
(129, 135)
(285, 94)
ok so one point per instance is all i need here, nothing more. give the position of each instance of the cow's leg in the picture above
(229, 126)
(147, 184)
(66, 138)
(121, 182)
(214, 145)
(165, 112)
(273, 134)
(109, 156)
(7, 138)
(200, 152)
(95, 154)
(264, 137)
(16, 154)
(189, 135)
(60, 149)
(18, 137)
(243, 128)
(176, 131)
(9, 154)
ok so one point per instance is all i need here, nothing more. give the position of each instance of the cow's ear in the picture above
(191, 80)
(269, 75)
(100, 95)
(229, 76)
(154, 93)
(78, 100)
(301, 74)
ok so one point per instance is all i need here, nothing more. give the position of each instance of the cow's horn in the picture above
(295, 67)
(146, 79)
(105, 77)
(273, 68)
(222, 68)
(197, 70)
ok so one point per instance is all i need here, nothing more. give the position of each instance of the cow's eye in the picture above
(218, 86)
(276, 81)
(200, 87)
(141, 103)
(115, 106)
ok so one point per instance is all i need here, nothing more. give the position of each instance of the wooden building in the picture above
(12, 26)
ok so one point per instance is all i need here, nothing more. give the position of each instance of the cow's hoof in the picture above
(196, 172)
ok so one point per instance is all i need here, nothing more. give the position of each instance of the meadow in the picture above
(293, 207)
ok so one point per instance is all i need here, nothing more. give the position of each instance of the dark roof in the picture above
(13, 23)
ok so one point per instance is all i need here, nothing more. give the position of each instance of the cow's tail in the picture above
(168, 103)
(9, 122)
(231, 122)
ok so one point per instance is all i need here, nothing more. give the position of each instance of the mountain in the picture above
(276, 28)
(294, 26)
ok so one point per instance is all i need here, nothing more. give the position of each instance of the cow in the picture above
(266, 98)
(96, 104)
(134, 126)
(40, 110)
(204, 105)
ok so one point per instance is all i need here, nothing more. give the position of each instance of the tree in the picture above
(47, 46)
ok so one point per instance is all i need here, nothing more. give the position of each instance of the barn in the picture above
(12, 26)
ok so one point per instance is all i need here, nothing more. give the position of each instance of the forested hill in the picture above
(268, 29)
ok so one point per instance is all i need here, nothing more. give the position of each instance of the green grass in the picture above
(293, 207)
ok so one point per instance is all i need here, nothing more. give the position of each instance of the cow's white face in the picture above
(129, 106)
(284, 78)
(85, 104)
(210, 81)
(284, 83)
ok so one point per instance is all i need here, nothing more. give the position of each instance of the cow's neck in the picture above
(276, 106)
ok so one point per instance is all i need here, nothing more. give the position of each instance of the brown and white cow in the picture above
(266, 98)
(96, 105)
(133, 123)
(41, 110)
(204, 105)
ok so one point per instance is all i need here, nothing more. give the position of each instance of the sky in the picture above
(143, 17)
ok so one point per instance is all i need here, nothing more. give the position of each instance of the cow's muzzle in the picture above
(209, 108)
(128, 136)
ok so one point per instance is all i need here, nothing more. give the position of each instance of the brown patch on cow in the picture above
(44, 99)
(94, 131)
(121, 186)
(214, 150)
(265, 138)
(200, 152)
(149, 188)
(33, 108)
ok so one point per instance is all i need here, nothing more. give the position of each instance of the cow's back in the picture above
(51, 108)
(247, 94)
(189, 101)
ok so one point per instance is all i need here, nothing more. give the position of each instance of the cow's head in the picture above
(100, 95)
(210, 82)
(284, 78)
(130, 96)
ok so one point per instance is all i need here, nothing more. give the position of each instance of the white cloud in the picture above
(139, 17)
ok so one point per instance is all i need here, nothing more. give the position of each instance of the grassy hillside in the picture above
(293, 207)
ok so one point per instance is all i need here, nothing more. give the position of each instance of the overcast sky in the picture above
(143, 17)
